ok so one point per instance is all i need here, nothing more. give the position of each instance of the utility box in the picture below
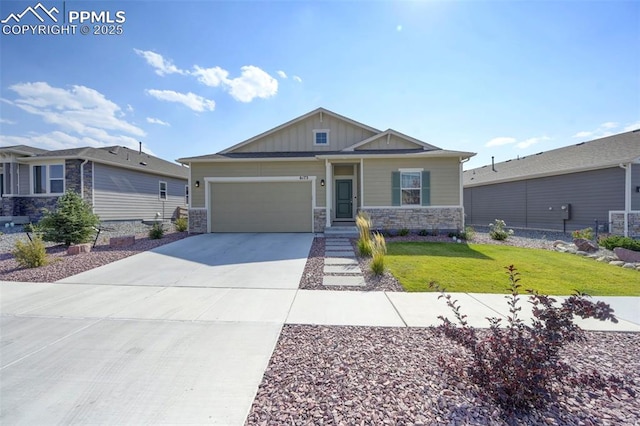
(565, 211)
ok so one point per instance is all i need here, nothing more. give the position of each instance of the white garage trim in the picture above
(258, 179)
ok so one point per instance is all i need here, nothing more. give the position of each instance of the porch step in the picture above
(341, 231)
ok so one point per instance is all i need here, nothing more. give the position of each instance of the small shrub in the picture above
(423, 233)
(519, 365)
(31, 254)
(72, 222)
(403, 232)
(584, 234)
(157, 231)
(181, 224)
(469, 233)
(498, 231)
(379, 249)
(613, 241)
(435, 231)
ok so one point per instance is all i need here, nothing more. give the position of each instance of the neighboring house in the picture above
(564, 189)
(120, 183)
(322, 168)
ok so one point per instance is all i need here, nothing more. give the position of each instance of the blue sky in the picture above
(193, 77)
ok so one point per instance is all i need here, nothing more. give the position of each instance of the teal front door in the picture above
(344, 202)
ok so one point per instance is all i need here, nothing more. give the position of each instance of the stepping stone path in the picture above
(341, 259)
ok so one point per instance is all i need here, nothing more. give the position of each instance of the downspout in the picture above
(462, 161)
(627, 196)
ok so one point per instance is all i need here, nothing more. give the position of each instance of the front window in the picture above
(162, 194)
(321, 137)
(411, 186)
(48, 179)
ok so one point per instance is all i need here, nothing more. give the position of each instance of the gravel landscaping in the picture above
(63, 265)
(368, 376)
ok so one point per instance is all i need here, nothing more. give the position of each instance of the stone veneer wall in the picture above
(441, 218)
(33, 206)
(617, 223)
(197, 221)
(319, 219)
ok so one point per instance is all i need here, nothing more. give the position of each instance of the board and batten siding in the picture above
(299, 136)
(200, 171)
(392, 142)
(539, 201)
(445, 179)
(121, 194)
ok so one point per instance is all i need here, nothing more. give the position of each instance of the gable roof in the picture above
(22, 150)
(297, 120)
(388, 133)
(600, 153)
(118, 156)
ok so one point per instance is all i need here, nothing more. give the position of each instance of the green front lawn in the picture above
(479, 268)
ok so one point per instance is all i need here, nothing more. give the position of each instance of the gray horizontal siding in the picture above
(121, 194)
(536, 203)
(24, 179)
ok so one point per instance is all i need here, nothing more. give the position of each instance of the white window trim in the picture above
(166, 191)
(327, 131)
(48, 189)
(403, 188)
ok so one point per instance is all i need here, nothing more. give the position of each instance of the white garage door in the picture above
(261, 206)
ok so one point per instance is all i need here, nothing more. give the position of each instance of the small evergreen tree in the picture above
(72, 222)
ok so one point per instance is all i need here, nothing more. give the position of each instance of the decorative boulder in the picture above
(626, 255)
(585, 245)
(125, 241)
(79, 248)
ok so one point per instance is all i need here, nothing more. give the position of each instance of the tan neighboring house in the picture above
(320, 169)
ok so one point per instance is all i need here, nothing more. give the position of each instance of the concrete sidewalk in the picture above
(396, 309)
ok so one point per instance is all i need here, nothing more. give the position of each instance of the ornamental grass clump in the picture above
(181, 224)
(363, 223)
(379, 250)
(498, 231)
(519, 365)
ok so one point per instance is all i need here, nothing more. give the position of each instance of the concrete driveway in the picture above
(212, 260)
(158, 347)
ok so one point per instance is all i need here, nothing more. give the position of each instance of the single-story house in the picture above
(563, 189)
(322, 168)
(120, 183)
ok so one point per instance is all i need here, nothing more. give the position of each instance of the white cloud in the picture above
(191, 100)
(81, 116)
(632, 126)
(252, 83)
(532, 141)
(298, 79)
(157, 121)
(5, 121)
(609, 125)
(163, 66)
(583, 134)
(500, 141)
(282, 74)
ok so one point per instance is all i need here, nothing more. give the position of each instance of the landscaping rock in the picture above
(79, 248)
(557, 243)
(582, 253)
(125, 241)
(585, 245)
(627, 255)
(616, 263)
(629, 266)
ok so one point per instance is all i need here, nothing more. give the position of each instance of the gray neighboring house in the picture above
(564, 189)
(120, 183)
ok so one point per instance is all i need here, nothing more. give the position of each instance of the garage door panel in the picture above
(261, 207)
